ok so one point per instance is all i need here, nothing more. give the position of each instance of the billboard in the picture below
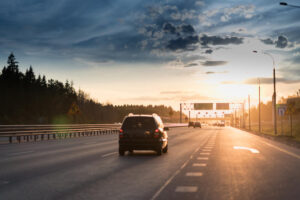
(203, 106)
(222, 106)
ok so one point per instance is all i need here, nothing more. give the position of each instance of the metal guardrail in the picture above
(27, 133)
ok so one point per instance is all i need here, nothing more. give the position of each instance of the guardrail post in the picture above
(27, 138)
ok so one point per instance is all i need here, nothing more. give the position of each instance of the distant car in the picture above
(143, 132)
(222, 124)
(197, 124)
(191, 124)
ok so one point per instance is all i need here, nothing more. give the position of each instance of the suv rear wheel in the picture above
(121, 152)
(159, 151)
(165, 150)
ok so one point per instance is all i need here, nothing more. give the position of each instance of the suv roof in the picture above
(141, 115)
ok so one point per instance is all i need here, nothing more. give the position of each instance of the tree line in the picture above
(30, 99)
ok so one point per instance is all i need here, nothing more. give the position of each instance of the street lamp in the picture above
(274, 93)
(286, 4)
(259, 120)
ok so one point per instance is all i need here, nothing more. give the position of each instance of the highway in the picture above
(212, 163)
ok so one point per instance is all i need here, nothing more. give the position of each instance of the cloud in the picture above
(169, 28)
(187, 28)
(209, 63)
(267, 41)
(211, 72)
(186, 43)
(217, 40)
(191, 65)
(200, 3)
(246, 11)
(282, 42)
(270, 81)
(209, 51)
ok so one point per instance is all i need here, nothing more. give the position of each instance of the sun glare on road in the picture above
(246, 148)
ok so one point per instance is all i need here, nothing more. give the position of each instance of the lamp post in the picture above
(259, 124)
(274, 93)
(286, 4)
(249, 110)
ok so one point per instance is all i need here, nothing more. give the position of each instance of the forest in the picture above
(30, 99)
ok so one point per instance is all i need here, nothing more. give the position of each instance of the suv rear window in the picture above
(145, 123)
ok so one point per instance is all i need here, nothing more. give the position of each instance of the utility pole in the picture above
(244, 114)
(259, 120)
(189, 115)
(180, 113)
(249, 112)
(274, 101)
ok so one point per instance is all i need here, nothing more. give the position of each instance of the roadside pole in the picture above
(189, 115)
(291, 121)
(281, 125)
(259, 120)
(180, 113)
(249, 112)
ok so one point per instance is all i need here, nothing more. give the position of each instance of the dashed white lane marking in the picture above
(179, 188)
(202, 158)
(204, 153)
(206, 150)
(199, 165)
(194, 174)
(186, 189)
(109, 154)
(20, 153)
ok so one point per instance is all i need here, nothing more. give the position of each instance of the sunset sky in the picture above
(157, 52)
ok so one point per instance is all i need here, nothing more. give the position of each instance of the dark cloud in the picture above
(267, 41)
(211, 72)
(209, 63)
(282, 42)
(217, 40)
(169, 28)
(187, 28)
(191, 65)
(270, 81)
(184, 29)
(186, 43)
(209, 51)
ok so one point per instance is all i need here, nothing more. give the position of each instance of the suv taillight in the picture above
(156, 133)
(121, 134)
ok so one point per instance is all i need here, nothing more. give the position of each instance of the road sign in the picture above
(281, 109)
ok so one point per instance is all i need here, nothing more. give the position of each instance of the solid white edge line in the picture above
(282, 150)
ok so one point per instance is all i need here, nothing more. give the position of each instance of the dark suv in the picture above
(143, 132)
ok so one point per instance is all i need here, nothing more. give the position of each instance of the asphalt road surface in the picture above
(208, 163)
